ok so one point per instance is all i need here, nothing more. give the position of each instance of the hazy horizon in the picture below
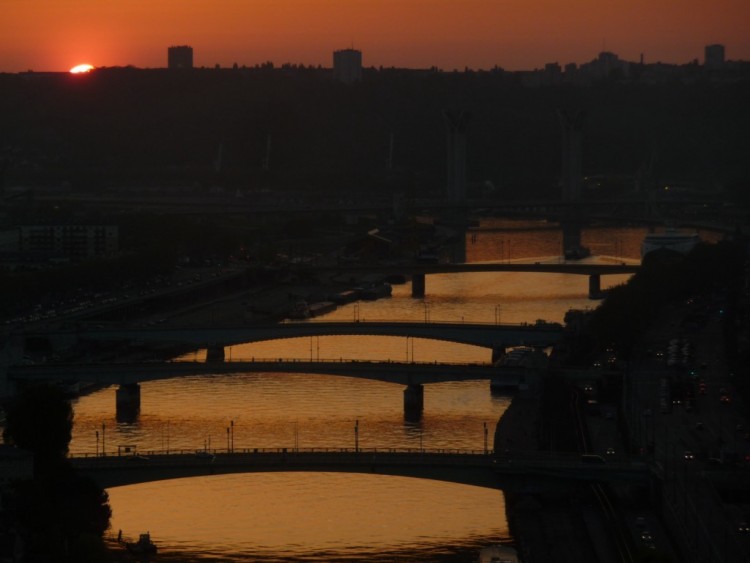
(55, 35)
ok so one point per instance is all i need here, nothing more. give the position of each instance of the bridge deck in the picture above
(468, 467)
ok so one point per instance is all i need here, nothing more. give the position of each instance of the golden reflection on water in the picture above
(325, 517)
(284, 515)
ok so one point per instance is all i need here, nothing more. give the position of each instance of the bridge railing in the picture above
(338, 360)
(280, 450)
(414, 321)
(499, 457)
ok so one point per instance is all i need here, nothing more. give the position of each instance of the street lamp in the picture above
(426, 311)
(356, 436)
(97, 443)
(355, 312)
(485, 438)
(104, 450)
(498, 311)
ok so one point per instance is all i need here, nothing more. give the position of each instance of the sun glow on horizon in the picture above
(78, 69)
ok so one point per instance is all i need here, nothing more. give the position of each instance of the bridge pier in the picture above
(498, 352)
(128, 401)
(413, 401)
(215, 354)
(595, 287)
(417, 285)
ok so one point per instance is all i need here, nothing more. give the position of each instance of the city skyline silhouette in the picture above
(53, 36)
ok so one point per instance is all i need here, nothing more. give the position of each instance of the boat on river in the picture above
(671, 239)
(498, 554)
(143, 547)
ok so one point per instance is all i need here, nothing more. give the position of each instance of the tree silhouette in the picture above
(60, 514)
(40, 419)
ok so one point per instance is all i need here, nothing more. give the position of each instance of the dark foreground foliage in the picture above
(58, 515)
(711, 272)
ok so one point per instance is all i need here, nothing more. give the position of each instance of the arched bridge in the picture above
(487, 335)
(510, 471)
(127, 373)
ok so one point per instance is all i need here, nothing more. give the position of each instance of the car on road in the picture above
(688, 455)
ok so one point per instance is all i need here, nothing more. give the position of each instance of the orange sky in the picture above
(514, 34)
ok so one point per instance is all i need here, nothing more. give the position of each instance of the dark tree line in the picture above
(59, 515)
(128, 127)
(711, 272)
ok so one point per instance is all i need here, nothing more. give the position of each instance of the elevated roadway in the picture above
(128, 373)
(577, 268)
(478, 334)
(527, 471)
(418, 271)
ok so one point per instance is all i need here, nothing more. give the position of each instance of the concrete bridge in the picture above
(418, 271)
(414, 375)
(487, 335)
(128, 375)
(527, 471)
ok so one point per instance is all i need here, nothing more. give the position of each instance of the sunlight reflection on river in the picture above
(341, 517)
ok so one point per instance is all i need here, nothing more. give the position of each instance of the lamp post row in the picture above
(230, 438)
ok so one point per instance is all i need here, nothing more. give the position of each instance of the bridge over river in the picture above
(128, 375)
(487, 335)
(511, 471)
(412, 374)
(418, 271)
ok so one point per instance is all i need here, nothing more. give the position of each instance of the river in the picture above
(339, 516)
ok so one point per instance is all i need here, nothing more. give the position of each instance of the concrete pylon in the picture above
(215, 353)
(413, 401)
(571, 123)
(457, 124)
(128, 402)
(572, 132)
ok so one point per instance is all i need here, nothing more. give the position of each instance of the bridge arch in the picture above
(531, 471)
(486, 335)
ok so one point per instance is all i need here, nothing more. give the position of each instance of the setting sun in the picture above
(78, 69)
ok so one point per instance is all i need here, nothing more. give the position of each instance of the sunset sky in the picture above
(514, 34)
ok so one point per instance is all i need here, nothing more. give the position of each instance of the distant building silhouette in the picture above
(73, 242)
(605, 65)
(552, 74)
(180, 56)
(714, 56)
(347, 66)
